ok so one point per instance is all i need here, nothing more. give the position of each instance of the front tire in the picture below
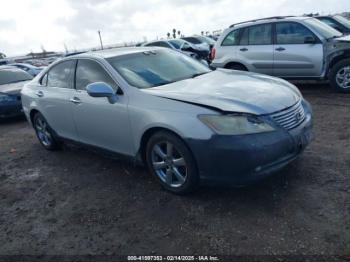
(172, 163)
(45, 133)
(340, 76)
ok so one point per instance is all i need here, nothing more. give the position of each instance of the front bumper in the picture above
(241, 160)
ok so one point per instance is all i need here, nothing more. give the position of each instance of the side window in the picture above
(43, 80)
(90, 72)
(231, 39)
(61, 75)
(153, 44)
(163, 44)
(245, 37)
(291, 33)
(260, 35)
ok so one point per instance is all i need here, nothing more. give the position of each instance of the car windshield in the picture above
(325, 30)
(9, 75)
(342, 20)
(177, 43)
(156, 68)
(207, 40)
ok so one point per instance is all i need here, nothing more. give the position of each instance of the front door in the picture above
(292, 56)
(98, 122)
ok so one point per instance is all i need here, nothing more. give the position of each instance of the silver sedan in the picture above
(188, 124)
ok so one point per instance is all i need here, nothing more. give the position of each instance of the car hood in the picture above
(232, 91)
(345, 38)
(13, 88)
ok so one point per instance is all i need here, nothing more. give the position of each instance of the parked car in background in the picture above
(338, 22)
(30, 69)
(188, 124)
(12, 80)
(199, 53)
(200, 41)
(301, 48)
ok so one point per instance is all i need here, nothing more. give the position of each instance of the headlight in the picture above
(235, 125)
(7, 98)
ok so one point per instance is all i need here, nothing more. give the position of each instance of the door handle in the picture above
(244, 49)
(280, 49)
(39, 93)
(75, 100)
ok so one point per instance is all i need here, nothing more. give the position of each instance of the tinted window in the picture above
(14, 75)
(153, 44)
(291, 33)
(192, 40)
(245, 37)
(91, 72)
(231, 38)
(163, 67)
(329, 21)
(177, 43)
(163, 44)
(61, 75)
(260, 35)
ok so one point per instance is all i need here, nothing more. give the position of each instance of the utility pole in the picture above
(99, 34)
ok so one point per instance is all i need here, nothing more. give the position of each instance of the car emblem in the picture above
(298, 116)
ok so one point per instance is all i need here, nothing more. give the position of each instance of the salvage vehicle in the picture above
(295, 48)
(196, 52)
(188, 124)
(12, 80)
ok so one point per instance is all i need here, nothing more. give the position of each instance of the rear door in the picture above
(292, 56)
(256, 48)
(57, 87)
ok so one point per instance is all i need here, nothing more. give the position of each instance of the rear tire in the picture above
(339, 76)
(172, 163)
(238, 67)
(45, 133)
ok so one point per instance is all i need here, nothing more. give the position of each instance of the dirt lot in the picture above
(79, 202)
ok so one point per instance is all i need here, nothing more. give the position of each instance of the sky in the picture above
(31, 25)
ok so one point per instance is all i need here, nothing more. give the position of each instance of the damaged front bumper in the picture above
(241, 160)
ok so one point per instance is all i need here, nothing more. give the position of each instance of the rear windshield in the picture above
(8, 76)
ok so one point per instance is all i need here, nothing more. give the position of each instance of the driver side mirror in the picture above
(310, 40)
(101, 89)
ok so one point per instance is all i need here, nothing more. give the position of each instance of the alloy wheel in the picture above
(43, 132)
(169, 164)
(343, 77)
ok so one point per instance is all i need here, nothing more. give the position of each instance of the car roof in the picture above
(269, 20)
(107, 53)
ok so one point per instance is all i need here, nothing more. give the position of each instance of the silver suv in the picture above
(289, 47)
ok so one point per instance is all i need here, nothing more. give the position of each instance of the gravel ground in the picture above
(78, 202)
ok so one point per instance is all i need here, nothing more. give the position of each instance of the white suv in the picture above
(289, 47)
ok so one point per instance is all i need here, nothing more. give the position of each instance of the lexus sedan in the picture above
(12, 80)
(188, 124)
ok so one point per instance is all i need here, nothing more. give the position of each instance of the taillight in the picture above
(212, 54)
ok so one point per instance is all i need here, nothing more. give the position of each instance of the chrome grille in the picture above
(291, 117)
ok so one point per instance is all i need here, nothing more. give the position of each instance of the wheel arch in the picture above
(147, 134)
(337, 58)
(228, 64)
(32, 113)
